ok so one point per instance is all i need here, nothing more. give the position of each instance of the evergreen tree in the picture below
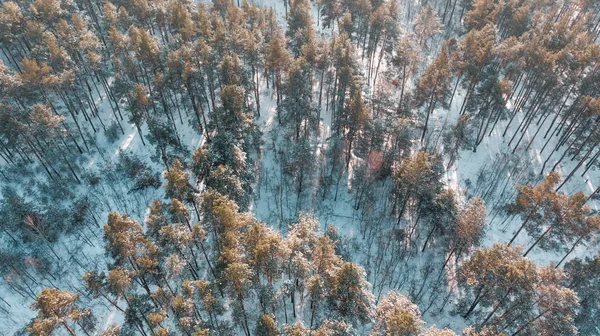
(178, 184)
(56, 308)
(237, 279)
(396, 315)
(266, 326)
(470, 226)
(498, 276)
(583, 279)
(434, 86)
(416, 178)
(300, 30)
(406, 60)
(475, 51)
(277, 60)
(350, 297)
(297, 107)
(427, 24)
(438, 332)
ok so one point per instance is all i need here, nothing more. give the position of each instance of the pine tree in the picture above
(97, 285)
(556, 305)
(470, 226)
(584, 280)
(475, 51)
(397, 315)
(329, 327)
(438, 332)
(406, 60)
(201, 163)
(223, 180)
(200, 293)
(56, 308)
(297, 329)
(237, 278)
(383, 28)
(350, 294)
(133, 253)
(300, 30)
(498, 276)
(441, 212)
(178, 185)
(485, 331)
(555, 220)
(111, 331)
(427, 24)
(277, 59)
(415, 178)
(11, 26)
(356, 113)
(333, 327)
(533, 202)
(297, 107)
(300, 241)
(331, 11)
(482, 13)
(458, 138)
(138, 103)
(434, 86)
(266, 326)
(266, 252)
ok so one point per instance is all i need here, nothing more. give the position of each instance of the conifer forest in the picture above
(299, 167)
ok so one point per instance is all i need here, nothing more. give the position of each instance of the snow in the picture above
(276, 202)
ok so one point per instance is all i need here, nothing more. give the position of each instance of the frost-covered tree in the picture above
(522, 296)
(266, 326)
(584, 280)
(57, 309)
(297, 107)
(555, 220)
(533, 203)
(277, 60)
(459, 137)
(416, 178)
(433, 87)
(476, 51)
(427, 24)
(556, 305)
(498, 276)
(438, 332)
(441, 213)
(178, 183)
(237, 278)
(485, 331)
(406, 59)
(300, 30)
(350, 296)
(469, 228)
(97, 286)
(397, 315)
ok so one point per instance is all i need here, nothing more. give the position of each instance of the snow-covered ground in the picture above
(276, 202)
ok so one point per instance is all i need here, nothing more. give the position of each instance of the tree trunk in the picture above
(430, 109)
(530, 321)
(537, 240)
(521, 227)
(570, 250)
(68, 328)
(475, 302)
